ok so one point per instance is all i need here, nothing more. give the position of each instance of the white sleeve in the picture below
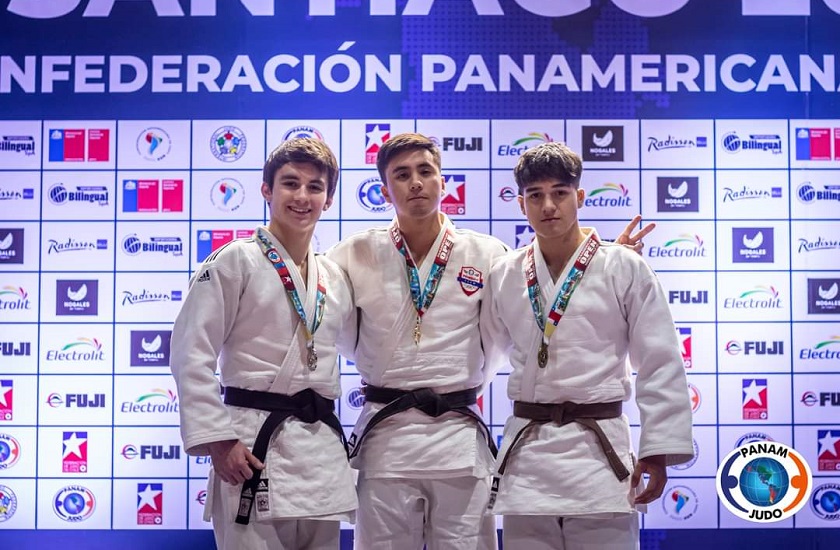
(661, 390)
(202, 326)
(495, 338)
(347, 337)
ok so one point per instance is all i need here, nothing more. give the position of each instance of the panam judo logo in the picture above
(74, 503)
(763, 481)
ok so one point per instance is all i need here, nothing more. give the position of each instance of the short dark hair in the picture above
(305, 149)
(551, 160)
(402, 143)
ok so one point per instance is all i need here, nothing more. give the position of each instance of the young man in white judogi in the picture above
(272, 313)
(571, 309)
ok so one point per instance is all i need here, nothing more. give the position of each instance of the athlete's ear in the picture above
(328, 203)
(265, 191)
(521, 200)
(581, 194)
(385, 194)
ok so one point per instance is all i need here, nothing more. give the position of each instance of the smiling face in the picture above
(551, 207)
(296, 198)
(413, 184)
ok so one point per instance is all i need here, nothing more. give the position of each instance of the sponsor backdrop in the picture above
(127, 157)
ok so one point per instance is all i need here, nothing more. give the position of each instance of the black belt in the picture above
(566, 413)
(306, 405)
(423, 399)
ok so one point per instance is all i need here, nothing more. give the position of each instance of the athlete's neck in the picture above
(420, 234)
(296, 243)
(557, 251)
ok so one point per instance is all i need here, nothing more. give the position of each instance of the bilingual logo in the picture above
(454, 201)
(825, 501)
(150, 348)
(7, 401)
(684, 336)
(11, 246)
(809, 193)
(522, 144)
(8, 503)
(752, 245)
(74, 503)
(375, 137)
(754, 398)
(684, 246)
(679, 502)
(763, 482)
(828, 453)
(61, 194)
(356, 398)
(145, 196)
(370, 197)
(609, 195)
(133, 245)
(733, 143)
(824, 296)
(603, 143)
(153, 144)
(227, 195)
(677, 194)
(74, 452)
(228, 143)
(524, 235)
(750, 193)
(9, 451)
(470, 279)
(813, 144)
(303, 132)
(77, 297)
(70, 145)
(149, 503)
(18, 144)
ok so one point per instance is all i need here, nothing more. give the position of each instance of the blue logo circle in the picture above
(356, 398)
(58, 194)
(731, 142)
(825, 501)
(371, 197)
(806, 192)
(132, 245)
(764, 481)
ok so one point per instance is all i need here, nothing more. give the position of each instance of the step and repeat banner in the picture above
(132, 138)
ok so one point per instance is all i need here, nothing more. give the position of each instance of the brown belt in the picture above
(566, 413)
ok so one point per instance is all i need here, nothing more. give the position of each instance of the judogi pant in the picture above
(402, 514)
(290, 534)
(595, 532)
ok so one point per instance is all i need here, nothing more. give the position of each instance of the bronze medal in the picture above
(542, 355)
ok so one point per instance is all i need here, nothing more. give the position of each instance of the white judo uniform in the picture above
(237, 311)
(617, 311)
(412, 445)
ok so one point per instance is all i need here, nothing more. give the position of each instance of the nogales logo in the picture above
(156, 402)
(679, 502)
(825, 501)
(74, 503)
(615, 197)
(92, 194)
(752, 245)
(370, 196)
(749, 193)
(603, 143)
(522, 144)
(303, 132)
(227, 194)
(9, 451)
(677, 194)
(808, 194)
(823, 296)
(822, 351)
(8, 503)
(72, 245)
(18, 144)
(763, 482)
(133, 245)
(755, 142)
(685, 246)
(150, 348)
(670, 142)
(11, 246)
(77, 297)
(228, 143)
(806, 245)
(12, 297)
(82, 349)
(760, 297)
(145, 296)
(153, 144)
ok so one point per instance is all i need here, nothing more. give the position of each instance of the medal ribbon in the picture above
(276, 260)
(566, 290)
(423, 300)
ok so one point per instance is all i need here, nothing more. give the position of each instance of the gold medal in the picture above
(417, 332)
(542, 355)
(311, 355)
